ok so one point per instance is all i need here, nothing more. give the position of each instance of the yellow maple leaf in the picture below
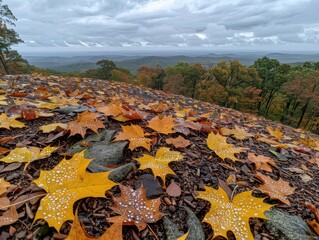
(52, 127)
(275, 133)
(279, 189)
(7, 122)
(232, 215)
(163, 124)
(65, 184)
(239, 133)
(4, 185)
(218, 144)
(135, 135)
(28, 155)
(84, 121)
(159, 163)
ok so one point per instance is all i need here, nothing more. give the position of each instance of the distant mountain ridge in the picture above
(132, 63)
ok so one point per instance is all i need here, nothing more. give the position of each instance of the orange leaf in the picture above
(8, 217)
(314, 225)
(163, 124)
(232, 215)
(65, 184)
(218, 144)
(28, 114)
(85, 121)
(135, 208)
(262, 162)
(110, 109)
(4, 185)
(275, 133)
(159, 163)
(3, 150)
(178, 142)
(275, 189)
(135, 135)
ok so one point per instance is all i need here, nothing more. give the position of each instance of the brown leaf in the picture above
(173, 190)
(262, 162)
(28, 114)
(8, 217)
(178, 142)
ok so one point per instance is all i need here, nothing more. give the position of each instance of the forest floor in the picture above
(292, 156)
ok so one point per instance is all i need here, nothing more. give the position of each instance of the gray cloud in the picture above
(158, 23)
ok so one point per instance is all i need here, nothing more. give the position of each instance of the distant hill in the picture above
(82, 63)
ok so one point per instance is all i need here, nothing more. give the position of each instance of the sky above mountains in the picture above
(260, 25)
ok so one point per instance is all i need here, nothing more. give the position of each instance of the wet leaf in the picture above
(159, 163)
(10, 122)
(9, 216)
(238, 133)
(52, 127)
(162, 124)
(173, 190)
(274, 132)
(225, 215)
(4, 185)
(218, 144)
(262, 162)
(135, 135)
(135, 209)
(178, 142)
(275, 189)
(65, 184)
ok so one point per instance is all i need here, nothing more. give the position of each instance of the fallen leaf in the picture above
(274, 133)
(135, 135)
(162, 124)
(85, 121)
(173, 190)
(238, 133)
(159, 163)
(314, 225)
(315, 160)
(178, 142)
(65, 184)
(262, 162)
(3, 150)
(52, 127)
(10, 122)
(4, 185)
(8, 217)
(135, 209)
(275, 189)
(232, 215)
(218, 144)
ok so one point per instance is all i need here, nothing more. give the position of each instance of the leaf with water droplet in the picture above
(10, 122)
(232, 215)
(159, 163)
(65, 184)
(219, 145)
(164, 124)
(135, 209)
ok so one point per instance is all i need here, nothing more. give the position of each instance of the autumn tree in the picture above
(8, 36)
(150, 77)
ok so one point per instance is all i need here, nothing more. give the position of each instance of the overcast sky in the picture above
(265, 25)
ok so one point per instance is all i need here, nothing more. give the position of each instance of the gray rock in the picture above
(287, 227)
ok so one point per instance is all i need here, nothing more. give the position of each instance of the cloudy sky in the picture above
(265, 25)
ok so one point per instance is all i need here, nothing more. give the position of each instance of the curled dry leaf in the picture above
(218, 144)
(135, 209)
(275, 189)
(225, 215)
(159, 163)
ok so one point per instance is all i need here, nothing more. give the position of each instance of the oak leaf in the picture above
(262, 162)
(178, 142)
(65, 184)
(238, 133)
(218, 144)
(28, 155)
(135, 135)
(275, 189)
(274, 132)
(52, 127)
(135, 209)
(164, 124)
(78, 233)
(232, 215)
(159, 163)
(85, 121)
(8, 122)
